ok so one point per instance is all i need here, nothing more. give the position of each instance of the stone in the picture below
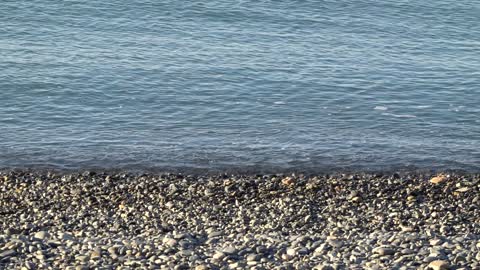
(215, 234)
(436, 242)
(112, 250)
(236, 265)
(7, 253)
(462, 190)
(439, 265)
(286, 257)
(253, 257)
(96, 254)
(186, 253)
(287, 181)
(406, 228)
(30, 265)
(171, 242)
(291, 252)
(323, 267)
(202, 267)
(218, 255)
(383, 251)
(229, 250)
(41, 235)
(438, 179)
(335, 243)
(261, 249)
(356, 199)
(11, 231)
(133, 263)
(65, 236)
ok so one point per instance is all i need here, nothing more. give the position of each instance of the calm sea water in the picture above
(235, 84)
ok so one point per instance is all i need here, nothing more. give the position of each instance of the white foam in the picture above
(380, 108)
(400, 115)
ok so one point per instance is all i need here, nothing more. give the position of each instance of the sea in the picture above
(334, 85)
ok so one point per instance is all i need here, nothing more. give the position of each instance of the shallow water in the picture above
(216, 84)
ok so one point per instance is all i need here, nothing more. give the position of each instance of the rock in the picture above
(202, 267)
(253, 257)
(291, 252)
(335, 243)
(96, 254)
(65, 236)
(439, 265)
(356, 199)
(438, 179)
(287, 181)
(436, 242)
(236, 265)
(133, 263)
(406, 228)
(286, 257)
(215, 234)
(30, 265)
(229, 250)
(40, 257)
(7, 253)
(186, 253)
(323, 267)
(383, 251)
(218, 255)
(208, 192)
(11, 231)
(459, 259)
(54, 244)
(462, 190)
(181, 267)
(41, 235)
(112, 250)
(261, 249)
(171, 242)
(82, 258)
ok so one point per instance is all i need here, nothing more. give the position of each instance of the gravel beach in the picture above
(173, 221)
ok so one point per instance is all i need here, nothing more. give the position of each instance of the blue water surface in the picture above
(367, 85)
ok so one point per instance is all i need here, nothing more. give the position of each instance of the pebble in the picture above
(253, 257)
(383, 251)
(436, 242)
(438, 179)
(439, 265)
(7, 253)
(171, 242)
(41, 235)
(335, 243)
(202, 267)
(229, 250)
(323, 267)
(166, 221)
(218, 255)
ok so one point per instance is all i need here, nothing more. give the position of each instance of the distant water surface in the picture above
(232, 84)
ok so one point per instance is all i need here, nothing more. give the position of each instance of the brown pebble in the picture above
(438, 265)
(438, 179)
